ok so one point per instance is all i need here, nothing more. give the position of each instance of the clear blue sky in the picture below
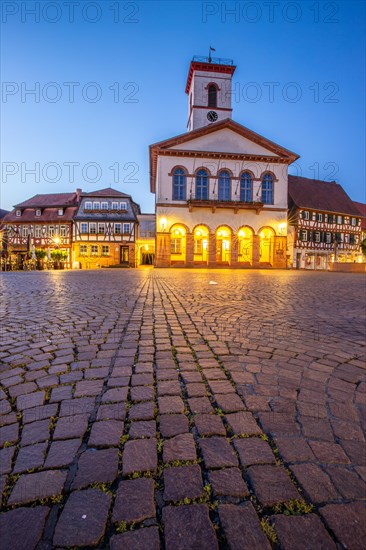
(315, 50)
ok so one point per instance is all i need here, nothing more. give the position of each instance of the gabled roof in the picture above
(361, 207)
(285, 154)
(107, 192)
(3, 213)
(327, 196)
(49, 200)
(48, 215)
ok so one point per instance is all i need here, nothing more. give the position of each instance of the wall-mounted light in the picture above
(282, 227)
(163, 223)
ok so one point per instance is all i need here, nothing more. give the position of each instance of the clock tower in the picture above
(209, 91)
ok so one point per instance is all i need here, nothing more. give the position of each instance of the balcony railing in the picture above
(213, 60)
(234, 204)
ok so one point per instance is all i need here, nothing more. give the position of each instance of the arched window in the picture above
(212, 96)
(202, 185)
(179, 185)
(267, 189)
(246, 187)
(224, 186)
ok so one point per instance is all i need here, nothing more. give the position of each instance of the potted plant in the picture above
(58, 257)
(40, 256)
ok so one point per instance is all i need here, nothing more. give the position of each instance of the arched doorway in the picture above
(245, 246)
(266, 245)
(223, 245)
(200, 243)
(178, 245)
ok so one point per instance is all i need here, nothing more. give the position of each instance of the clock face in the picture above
(212, 116)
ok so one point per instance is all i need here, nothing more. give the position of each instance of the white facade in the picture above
(198, 92)
(222, 225)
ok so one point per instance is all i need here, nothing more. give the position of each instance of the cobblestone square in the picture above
(147, 407)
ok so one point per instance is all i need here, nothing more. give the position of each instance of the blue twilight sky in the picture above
(109, 79)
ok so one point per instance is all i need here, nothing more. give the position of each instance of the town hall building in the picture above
(221, 190)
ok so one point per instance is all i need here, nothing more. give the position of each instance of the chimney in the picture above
(78, 193)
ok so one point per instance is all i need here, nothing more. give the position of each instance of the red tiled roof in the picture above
(107, 192)
(362, 209)
(49, 215)
(3, 213)
(49, 200)
(327, 196)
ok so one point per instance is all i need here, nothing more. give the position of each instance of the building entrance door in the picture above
(124, 256)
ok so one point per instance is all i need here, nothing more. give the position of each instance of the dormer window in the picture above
(38, 213)
(88, 205)
(104, 206)
(123, 205)
(96, 205)
(18, 213)
(114, 205)
(60, 212)
(212, 96)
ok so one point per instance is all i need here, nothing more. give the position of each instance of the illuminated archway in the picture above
(223, 244)
(266, 244)
(200, 243)
(178, 243)
(245, 245)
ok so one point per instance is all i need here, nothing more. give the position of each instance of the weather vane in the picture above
(211, 49)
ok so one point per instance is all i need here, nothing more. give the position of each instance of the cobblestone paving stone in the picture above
(144, 409)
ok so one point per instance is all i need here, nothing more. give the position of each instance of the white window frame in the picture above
(123, 205)
(118, 231)
(319, 217)
(60, 212)
(83, 250)
(303, 235)
(92, 228)
(328, 238)
(173, 245)
(126, 226)
(104, 205)
(354, 221)
(38, 213)
(317, 236)
(63, 231)
(51, 231)
(37, 231)
(88, 205)
(339, 220)
(18, 213)
(82, 224)
(101, 228)
(114, 205)
(306, 215)
(105, 250)
(96, 205)
(25, 231)
(94, 250)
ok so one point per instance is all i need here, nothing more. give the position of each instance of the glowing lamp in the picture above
(163, 223)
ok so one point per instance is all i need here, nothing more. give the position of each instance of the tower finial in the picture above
(211, 49)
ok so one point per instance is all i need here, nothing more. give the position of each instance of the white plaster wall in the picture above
(225, 141)
(200, 81)
(164, 187)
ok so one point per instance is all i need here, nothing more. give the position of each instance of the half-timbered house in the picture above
(41, 222)
(105, 230)
(324, 224)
